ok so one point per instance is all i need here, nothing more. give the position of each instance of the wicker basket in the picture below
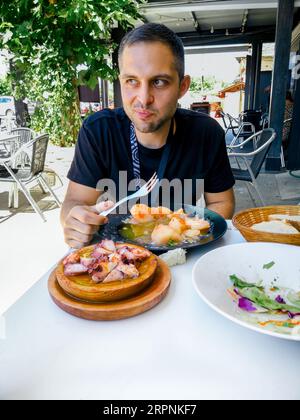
(247, 218)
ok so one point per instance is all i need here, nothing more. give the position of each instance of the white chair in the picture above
(24, 137)
(36, 151)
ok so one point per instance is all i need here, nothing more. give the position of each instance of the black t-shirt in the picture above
(198, 151)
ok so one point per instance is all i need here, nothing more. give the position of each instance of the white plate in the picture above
(211, 277)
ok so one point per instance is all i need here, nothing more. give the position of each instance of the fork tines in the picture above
(152, 182)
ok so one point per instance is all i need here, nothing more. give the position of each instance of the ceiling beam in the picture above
(233, 32)
(209, 6)
(194, 39)
(217, 49)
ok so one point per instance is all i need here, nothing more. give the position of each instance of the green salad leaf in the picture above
(241, 284)
(259, 297)
(268, 266)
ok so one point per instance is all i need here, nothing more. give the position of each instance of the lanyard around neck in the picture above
(136, 159)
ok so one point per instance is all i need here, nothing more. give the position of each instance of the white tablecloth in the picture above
(181, 349)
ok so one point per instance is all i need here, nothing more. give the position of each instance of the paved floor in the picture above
(29, 247)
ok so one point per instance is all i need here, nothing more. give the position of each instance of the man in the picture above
(134, 139)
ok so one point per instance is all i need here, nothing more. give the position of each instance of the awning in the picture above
(212, 22)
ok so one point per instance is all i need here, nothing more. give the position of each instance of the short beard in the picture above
(150, 127)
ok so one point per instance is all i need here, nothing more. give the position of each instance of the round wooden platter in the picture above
(82, 288)
(147, 299)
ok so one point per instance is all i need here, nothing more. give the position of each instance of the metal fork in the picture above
(144, 190)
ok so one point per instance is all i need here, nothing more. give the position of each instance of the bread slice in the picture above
(290, 219)
(275, 226)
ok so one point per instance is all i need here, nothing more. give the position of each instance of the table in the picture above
(181, 349)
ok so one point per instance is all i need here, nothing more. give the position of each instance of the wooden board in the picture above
(132, 306)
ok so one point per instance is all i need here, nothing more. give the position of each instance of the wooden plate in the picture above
(83, 288)
(132, 306)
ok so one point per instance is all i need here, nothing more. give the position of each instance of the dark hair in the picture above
(154, 32)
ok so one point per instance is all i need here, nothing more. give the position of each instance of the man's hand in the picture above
(82, 222)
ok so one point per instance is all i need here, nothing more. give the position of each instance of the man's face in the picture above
(150, 85)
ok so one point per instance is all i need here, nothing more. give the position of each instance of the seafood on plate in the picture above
(161, 226)
(106, 261)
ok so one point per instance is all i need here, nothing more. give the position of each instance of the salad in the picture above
(273, 307)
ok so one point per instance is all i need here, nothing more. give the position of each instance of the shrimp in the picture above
(141, 213)
(192, 233)
(178, 224)
(160, 211)
(198, 224)
(162, 234)
(180, 211)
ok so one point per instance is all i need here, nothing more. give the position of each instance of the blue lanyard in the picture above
(136, 159)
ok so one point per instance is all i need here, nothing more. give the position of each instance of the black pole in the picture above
(22, 114)
(285, 14)
(253, 72)
(104, 93)
(256, 102)
(248, 82)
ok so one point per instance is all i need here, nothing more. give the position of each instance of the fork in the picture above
(144, 190)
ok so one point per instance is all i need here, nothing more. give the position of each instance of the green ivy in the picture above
(203, 84)
(5, 87)
(58, 45)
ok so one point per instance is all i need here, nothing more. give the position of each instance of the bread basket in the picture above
(247, 218)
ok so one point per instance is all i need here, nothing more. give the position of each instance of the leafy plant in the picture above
(58, 45)
(203, 84)
(5, 87)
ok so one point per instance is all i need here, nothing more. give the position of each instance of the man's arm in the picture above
(79, 215)
(222, 203)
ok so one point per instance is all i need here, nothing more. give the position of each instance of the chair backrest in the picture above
(258, 159)
(224, 116)
(25, 135)
(265, 121)
(39, 151)
(253, 117)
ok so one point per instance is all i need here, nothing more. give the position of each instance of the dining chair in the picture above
(24, 137)
(230, 123)
(286, 128)
(36, 150)
(253, 160)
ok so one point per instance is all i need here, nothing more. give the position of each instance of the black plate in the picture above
(217, 222)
